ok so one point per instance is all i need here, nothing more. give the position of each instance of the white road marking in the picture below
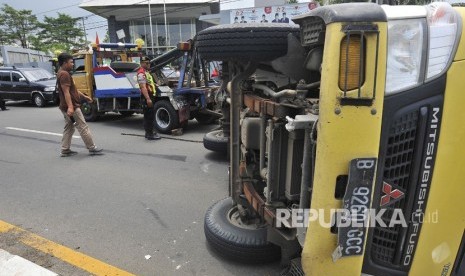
(38, 131)
(15, 265)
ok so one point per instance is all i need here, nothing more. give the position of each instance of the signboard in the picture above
(120, 34)
(273, 14)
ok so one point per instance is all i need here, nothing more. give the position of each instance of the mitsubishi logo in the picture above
(389, 193)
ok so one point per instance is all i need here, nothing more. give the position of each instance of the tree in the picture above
(107, 37)
(60, 32)
(37, 44)
(3, 36)
(16, 25)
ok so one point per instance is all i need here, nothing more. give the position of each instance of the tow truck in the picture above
(107, 74)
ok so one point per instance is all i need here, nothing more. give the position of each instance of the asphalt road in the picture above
(140, 198)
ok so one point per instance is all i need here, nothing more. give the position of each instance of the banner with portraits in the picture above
(273, 14)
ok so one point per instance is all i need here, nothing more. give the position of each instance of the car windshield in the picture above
(37, 74)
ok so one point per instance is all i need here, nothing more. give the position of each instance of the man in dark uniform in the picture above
(147, 93)
(2, 104)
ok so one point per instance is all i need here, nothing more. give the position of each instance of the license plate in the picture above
(353, 221)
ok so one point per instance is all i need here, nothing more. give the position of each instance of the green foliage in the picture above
(61, 31)
(292, 1)
(37, 44)
(16, 25)
(22, 27)
(107, 37)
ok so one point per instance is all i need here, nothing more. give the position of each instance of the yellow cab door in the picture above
(82, 74)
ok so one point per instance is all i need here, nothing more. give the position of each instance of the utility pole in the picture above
(166, 26)
(85, 33)
(151, 30)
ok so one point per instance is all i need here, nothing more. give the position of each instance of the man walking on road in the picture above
(70, 103)
(147, 91)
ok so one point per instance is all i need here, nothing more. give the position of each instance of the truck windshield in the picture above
(79, 64)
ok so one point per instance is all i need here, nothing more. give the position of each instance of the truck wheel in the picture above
(231, 238)
(247, 42)
(89, 110)
(216, 141)
(166, 117)
(38, 100)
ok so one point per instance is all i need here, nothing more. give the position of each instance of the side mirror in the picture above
(22, 80)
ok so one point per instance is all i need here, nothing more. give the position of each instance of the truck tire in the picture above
(89, 110)
(247, 42)
(216, 141)
(166, 117)
(235, 241)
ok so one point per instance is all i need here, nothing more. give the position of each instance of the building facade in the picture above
(161, 24)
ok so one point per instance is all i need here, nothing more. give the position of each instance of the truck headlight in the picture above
(404, 54)
(49, 89)
(409, 61)
(443, 37)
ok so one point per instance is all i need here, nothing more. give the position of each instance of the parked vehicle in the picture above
(108, 75)
(375, 123)
(36, 85)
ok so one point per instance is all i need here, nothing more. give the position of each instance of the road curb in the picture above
(11, 265)
(77, 259)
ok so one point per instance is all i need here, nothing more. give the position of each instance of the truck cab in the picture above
(355, 169)
(107, 75)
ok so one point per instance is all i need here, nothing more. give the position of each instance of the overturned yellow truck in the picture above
(356, 168)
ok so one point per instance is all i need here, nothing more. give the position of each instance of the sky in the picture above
(94, 23)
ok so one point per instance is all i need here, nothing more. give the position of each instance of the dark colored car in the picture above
(36, 85)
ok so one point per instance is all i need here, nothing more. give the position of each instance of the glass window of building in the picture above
(163, 39)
